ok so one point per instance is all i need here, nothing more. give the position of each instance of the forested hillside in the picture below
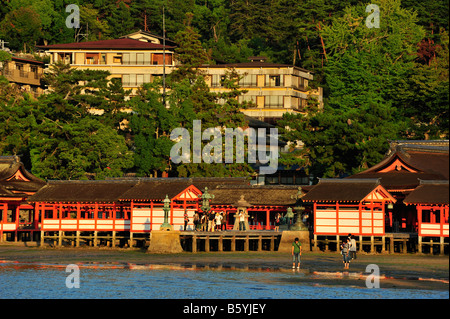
(379, 84)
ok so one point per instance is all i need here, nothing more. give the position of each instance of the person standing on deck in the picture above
(277, 221)
(296, 253)
(186, 220)
(241, 220)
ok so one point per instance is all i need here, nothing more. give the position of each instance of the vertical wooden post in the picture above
(220, 248)
(95, 238)
(194, 243)
(272, 243)
(233, 243)
(42, 238)
(372, 243)
(383, 247)
(259, 243)
(420, 244)
(207, 244)
(60, 234)
(17, 224)
(360, 243)
(391, 245)
(246, 243)
(130, 243)
(78, 239)
(316, 247)
(267, 219)
(441, 244)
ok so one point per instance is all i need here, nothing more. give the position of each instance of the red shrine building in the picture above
(17, 216)
(403, 196)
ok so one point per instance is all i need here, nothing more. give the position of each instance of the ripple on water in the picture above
(163, 283)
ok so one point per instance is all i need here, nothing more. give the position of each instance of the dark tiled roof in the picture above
(429, 192)
(124, 44)
(138, 189)
(427, 157)
(156, 189)
(398, 180)
(82, 191)
(9, 166)
(279, 195)
(338, 190)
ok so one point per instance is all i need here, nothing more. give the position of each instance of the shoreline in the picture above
(320, 268)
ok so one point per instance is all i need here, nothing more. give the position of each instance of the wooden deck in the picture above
(230, 240)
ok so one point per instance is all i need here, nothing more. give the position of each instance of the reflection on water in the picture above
(22, 280)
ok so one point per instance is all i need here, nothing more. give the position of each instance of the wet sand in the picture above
(396, 271)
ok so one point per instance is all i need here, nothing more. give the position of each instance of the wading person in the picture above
(345, 253)
(296, 253)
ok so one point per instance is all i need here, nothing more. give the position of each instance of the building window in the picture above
(271, 180)
(249, 80)
(218, 80)
(274, 80)
(158, 59)
(92, 58)
(274, 101)
(117, 59)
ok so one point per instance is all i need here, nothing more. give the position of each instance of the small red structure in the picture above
(17, 216)
(343, 206)
(431, 199)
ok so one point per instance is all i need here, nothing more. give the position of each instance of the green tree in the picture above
(151, 124)
(68, 140)
(363, 70)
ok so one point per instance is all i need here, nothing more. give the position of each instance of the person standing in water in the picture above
(296, 253)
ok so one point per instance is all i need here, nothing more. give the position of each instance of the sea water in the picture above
(25, 281)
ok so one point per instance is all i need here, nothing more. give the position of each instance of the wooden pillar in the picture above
(113, 244)
(372, 244)
(194, 243)
(267, 219)
(316, 247)
(246, 243)
(78, 239)
(207, 244)
(259, 243)
(233, 243)
(431, 246)
(60, 235)
(16, 234)
(220, 248)
(42, 238)
(420, 244)
(441, 244)
(404, 250)
(95, 238)
(391, 245)
(338, 242)
(272, 243)
(383, 243)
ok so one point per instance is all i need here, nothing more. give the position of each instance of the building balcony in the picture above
(22, 77)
